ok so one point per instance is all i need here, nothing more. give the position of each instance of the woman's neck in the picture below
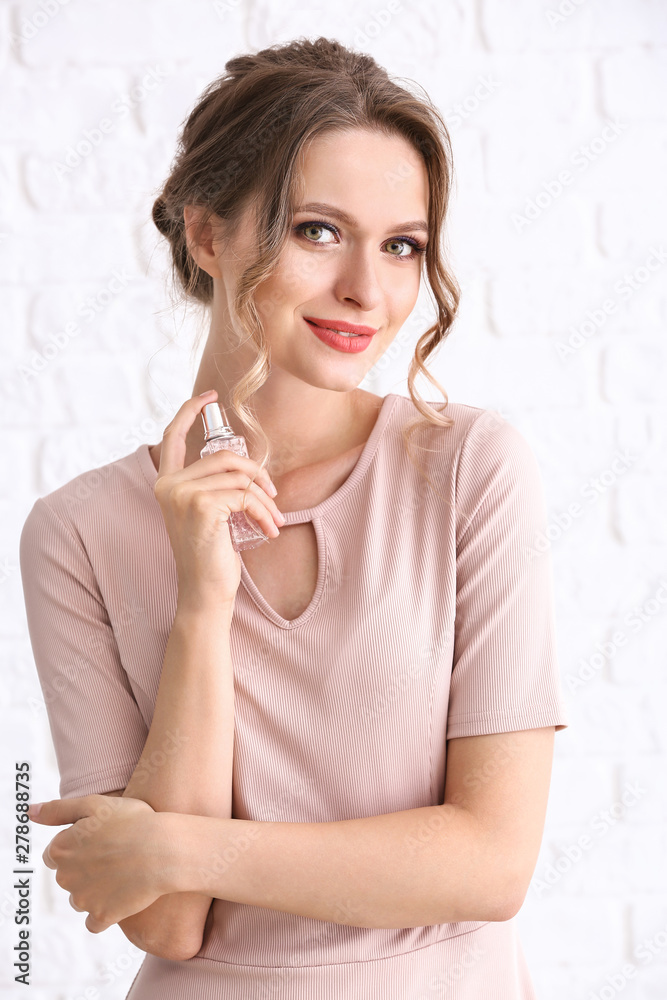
(295, 445)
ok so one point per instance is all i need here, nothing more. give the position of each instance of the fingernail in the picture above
(209, 392)
(33, 810)
(273, 489)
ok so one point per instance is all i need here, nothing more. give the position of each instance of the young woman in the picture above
(327, 757)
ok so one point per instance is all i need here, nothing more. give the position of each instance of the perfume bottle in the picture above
(244, 530)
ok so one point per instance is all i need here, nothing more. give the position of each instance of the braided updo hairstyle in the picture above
(240, 146)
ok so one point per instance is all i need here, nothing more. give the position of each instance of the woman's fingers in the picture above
(223, 460)
(235, 479)
(255, 508)
(197, 499)
(172, 452)
(207, 505)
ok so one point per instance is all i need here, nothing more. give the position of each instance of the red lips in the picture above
(339, 324)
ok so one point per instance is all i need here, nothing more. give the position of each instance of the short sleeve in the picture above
(505, 673)
(96, 726)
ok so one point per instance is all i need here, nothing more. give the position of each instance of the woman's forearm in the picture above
(429, 865)
(186, 764)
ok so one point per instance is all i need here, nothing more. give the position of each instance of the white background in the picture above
(538, 92)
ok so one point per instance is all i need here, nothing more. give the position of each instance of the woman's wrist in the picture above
(167, 852)
(193, 608)
(185, 845)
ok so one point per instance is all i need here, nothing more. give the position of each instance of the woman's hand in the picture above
(196, 502)
(114, 861)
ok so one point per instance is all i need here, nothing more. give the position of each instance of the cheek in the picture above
(401, 299)
(297, 279)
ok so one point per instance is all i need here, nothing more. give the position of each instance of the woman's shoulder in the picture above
(471, 427)
(96, 499)
(480, 450)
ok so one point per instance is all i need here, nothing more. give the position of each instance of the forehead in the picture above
(364, 172)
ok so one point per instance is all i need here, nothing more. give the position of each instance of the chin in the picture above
(334, 378)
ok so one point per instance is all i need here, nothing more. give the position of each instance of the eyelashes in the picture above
(417, 247)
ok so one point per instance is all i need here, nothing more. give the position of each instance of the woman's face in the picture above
(363, 270)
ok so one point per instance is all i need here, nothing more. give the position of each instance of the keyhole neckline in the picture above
(314, 514)
(263, 605)
(355, 476)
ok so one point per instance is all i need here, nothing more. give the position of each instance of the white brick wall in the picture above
(561, 328)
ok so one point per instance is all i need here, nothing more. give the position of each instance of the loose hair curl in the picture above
(240, 146)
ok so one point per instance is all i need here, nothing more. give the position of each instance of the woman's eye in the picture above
(414, 248)
(404, 244)
(307, 227)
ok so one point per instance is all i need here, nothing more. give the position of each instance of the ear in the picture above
(204, 249)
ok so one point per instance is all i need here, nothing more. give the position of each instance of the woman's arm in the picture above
(470, 859)
(186, 764)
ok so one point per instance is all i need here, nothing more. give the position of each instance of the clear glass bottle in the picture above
(244, 530)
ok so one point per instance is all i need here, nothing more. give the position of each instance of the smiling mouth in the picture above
(340, 340)
(341, 327)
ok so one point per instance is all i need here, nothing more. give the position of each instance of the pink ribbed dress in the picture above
(432, 618)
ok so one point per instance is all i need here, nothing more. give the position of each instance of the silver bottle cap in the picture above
(215, 421)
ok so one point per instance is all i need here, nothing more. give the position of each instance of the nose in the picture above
(357, 278)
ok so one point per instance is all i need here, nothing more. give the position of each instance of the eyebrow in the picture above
(338, 213)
